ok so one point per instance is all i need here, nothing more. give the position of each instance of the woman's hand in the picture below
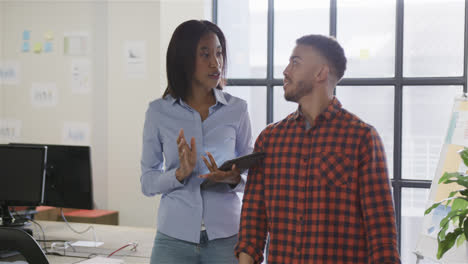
(231, 177)
(187, 156)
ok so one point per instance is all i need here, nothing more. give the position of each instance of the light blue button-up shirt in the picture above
(226, 134)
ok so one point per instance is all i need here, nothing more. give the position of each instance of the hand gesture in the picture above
(187, 156)
(216, 175)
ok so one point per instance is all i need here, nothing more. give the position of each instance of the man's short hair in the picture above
(329, 48)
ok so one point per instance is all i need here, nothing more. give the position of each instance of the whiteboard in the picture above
(449, 161)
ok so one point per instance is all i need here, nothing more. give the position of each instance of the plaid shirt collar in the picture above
(330, 112)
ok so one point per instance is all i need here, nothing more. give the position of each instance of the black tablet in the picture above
(244, 162)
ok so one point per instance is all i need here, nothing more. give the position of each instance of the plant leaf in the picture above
(464, 192)
(448, 242)
(441, 235)
(453, 213)
(428, 210)
(459, 204)
(460, 220)
(461, 239)
(452, 194)
(465, 227)
(447, 176)
(464, 156)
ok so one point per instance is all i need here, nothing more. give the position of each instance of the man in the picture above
(322, 192)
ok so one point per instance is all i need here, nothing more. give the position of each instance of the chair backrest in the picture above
(18, 240)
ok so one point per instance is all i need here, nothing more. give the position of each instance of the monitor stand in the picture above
(9, 221)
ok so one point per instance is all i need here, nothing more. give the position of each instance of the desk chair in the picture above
(18, 240)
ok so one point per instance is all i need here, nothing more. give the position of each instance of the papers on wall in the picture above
(76, 43)
(48, 47)
(44, 94)
(10, 130)
(76, 133)
(49, 35)
(9, 73)
(25, 47)
(135, 59)
(81, 76)
(26, 34)
(37, 48)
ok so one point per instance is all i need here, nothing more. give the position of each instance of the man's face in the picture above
(301, 74)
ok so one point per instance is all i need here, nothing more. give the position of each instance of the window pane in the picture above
(293, 19)
(244, 24)
(374, 105)
(413, 203)
(255, 97)
(366, 30)
(433, 38)
(281, 107)
(426, 114)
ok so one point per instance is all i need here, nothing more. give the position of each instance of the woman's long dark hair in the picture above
(181, 55)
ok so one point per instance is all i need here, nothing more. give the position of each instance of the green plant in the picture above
(458, 214)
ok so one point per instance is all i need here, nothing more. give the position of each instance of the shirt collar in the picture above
(219, 96)
(328, 114)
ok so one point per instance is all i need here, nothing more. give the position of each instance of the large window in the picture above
(406, 62)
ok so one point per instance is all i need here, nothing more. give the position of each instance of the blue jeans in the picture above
(168, 250)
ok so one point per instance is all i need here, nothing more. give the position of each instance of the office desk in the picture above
(113, 237)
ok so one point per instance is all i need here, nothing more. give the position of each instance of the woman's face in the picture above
(208, 63)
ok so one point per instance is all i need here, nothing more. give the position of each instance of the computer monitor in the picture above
(22, 178)
(69, 178)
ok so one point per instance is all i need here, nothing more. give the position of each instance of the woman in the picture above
(193, 118)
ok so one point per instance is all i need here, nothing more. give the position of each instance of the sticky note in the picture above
(37, 47)
(26, 35)
(25, 47)
(463, 106)
(48, 47)
(364, 54)
(49, 35)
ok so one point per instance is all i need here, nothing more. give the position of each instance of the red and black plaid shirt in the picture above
(322, 193)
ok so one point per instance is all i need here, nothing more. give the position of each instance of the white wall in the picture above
(128, 99)
(174, 12)
(153, 23)
(116, 106)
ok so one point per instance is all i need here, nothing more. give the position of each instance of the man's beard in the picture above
(301, 90)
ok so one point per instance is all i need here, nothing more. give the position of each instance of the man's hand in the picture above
(231, 177)
(187, 156)
(245, 259)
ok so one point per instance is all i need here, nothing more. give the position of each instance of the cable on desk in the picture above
(78, 232)
(51, 240)
(43, 234)
(133, 244)
(26, 218)
(62, 245)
